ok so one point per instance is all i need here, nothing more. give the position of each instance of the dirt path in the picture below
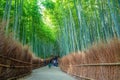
(54, 73)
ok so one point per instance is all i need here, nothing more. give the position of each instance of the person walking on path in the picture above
(50, 64)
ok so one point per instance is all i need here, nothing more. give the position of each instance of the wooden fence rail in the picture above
(11, 68)
(88, 65)
(97, 64)
(12, 59)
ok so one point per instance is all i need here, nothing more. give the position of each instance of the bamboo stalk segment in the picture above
(5, 57)
(98, 64)
(8, 66)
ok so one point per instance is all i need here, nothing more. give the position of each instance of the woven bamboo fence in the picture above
(13, 68)
(16, 60)
(17, 69)
(100, 62)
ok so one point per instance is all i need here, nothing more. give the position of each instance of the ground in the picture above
(45, 73)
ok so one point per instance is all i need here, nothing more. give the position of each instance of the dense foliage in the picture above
(83, 22)
(61, 26)
(23, 18)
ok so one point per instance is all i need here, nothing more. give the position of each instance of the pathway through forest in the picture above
(44, 73)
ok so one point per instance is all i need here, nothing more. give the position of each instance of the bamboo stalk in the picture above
(1, 56)
(2, 65)
(98, 64)
(8, 66)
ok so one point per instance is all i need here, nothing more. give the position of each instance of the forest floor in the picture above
(45, 73)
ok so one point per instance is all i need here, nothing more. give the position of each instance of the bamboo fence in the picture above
(100, 62)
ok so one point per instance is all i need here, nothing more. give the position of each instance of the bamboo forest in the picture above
(59, 39)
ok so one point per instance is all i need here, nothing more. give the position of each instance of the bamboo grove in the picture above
(84, 33)
(84, 22)
(23, 19)
(60, 26)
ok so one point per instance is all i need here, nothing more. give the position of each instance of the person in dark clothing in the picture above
(50, 63)
(55, 61)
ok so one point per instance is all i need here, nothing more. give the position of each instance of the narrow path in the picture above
(54, 73)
